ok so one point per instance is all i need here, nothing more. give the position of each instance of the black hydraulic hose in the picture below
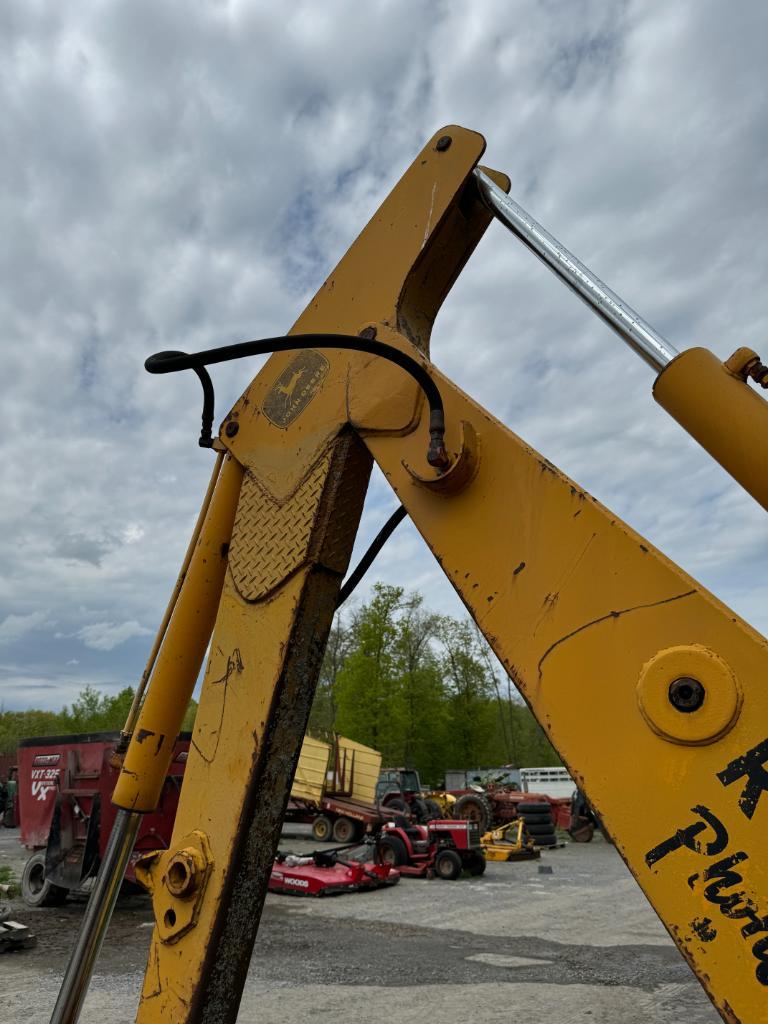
(366, 561)
(171, 362)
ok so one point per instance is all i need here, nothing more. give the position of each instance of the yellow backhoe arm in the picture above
(652, 691)
(305, 472)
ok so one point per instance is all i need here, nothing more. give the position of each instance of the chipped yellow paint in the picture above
(294, 528)
(574, 603)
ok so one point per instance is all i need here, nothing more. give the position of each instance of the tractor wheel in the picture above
(434, 810)
(36, 890)
(474, 862)
(322, 828)
(475, 807)
(582, 833)
(396, 805)
(448, 865)
(420, 810)
(344, 830)
(391, 850)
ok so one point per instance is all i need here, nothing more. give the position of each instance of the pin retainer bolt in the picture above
(686, 694)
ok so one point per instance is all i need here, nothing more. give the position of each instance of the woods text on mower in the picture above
(582, 611)
(332, 872)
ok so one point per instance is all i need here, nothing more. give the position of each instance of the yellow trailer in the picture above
(334, 789)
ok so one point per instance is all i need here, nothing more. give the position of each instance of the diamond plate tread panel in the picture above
(271, 538)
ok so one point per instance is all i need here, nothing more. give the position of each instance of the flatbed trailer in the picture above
(337, 818)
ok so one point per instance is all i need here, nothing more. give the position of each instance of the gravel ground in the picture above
(578, 945)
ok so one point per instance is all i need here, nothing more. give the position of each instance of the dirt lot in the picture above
(578, 945)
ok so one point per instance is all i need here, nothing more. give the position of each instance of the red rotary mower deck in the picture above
(326, 874)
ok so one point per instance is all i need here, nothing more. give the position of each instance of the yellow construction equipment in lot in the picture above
(581, 610)
(510, 842)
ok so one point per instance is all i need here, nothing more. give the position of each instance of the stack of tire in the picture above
(539, 823)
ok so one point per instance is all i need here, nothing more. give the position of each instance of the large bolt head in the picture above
(183, 875)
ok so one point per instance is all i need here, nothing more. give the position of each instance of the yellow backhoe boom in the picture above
(581, 610)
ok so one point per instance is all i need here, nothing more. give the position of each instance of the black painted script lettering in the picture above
(725, 878)
(760, 951)
(751, 764)
(688, 837)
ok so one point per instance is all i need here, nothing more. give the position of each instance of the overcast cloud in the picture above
(179, 175)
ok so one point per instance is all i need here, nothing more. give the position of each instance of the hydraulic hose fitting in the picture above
(437, 455)
(746, 364)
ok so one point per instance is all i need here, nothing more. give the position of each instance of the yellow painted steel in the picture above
(181, 654)
(138, 696)
(361, 765)
(509, 843)
(311, 771)
(304, 479)
(577, 605)
(722, 412)
(592, 623)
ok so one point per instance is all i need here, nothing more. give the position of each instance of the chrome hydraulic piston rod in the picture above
(629, 325)
(98, 912)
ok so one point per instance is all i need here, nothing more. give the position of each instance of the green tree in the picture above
(424, 689)
(470, 693)
(322, 718)
(366, 708)
(418, 689)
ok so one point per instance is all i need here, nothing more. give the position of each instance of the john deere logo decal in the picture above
(295, 387)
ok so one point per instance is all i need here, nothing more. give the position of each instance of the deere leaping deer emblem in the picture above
(295, 387)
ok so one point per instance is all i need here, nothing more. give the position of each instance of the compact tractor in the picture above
(400, 789)
(441, 848)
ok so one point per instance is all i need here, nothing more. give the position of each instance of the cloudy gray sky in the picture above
(179, 175)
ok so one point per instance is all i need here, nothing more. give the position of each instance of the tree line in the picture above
(422, 688)
(91, 711)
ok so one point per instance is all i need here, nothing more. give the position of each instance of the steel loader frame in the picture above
(581, 610)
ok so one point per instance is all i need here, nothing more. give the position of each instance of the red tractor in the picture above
(441, 848)
(493, 806)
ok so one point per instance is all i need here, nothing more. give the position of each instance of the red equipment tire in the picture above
(344, 830)
(391, 850)
(322, 828)
(475, 807)
(36, 890)
(475, 863)
(448, 865)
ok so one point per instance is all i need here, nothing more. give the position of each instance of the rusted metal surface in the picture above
(305, 473)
